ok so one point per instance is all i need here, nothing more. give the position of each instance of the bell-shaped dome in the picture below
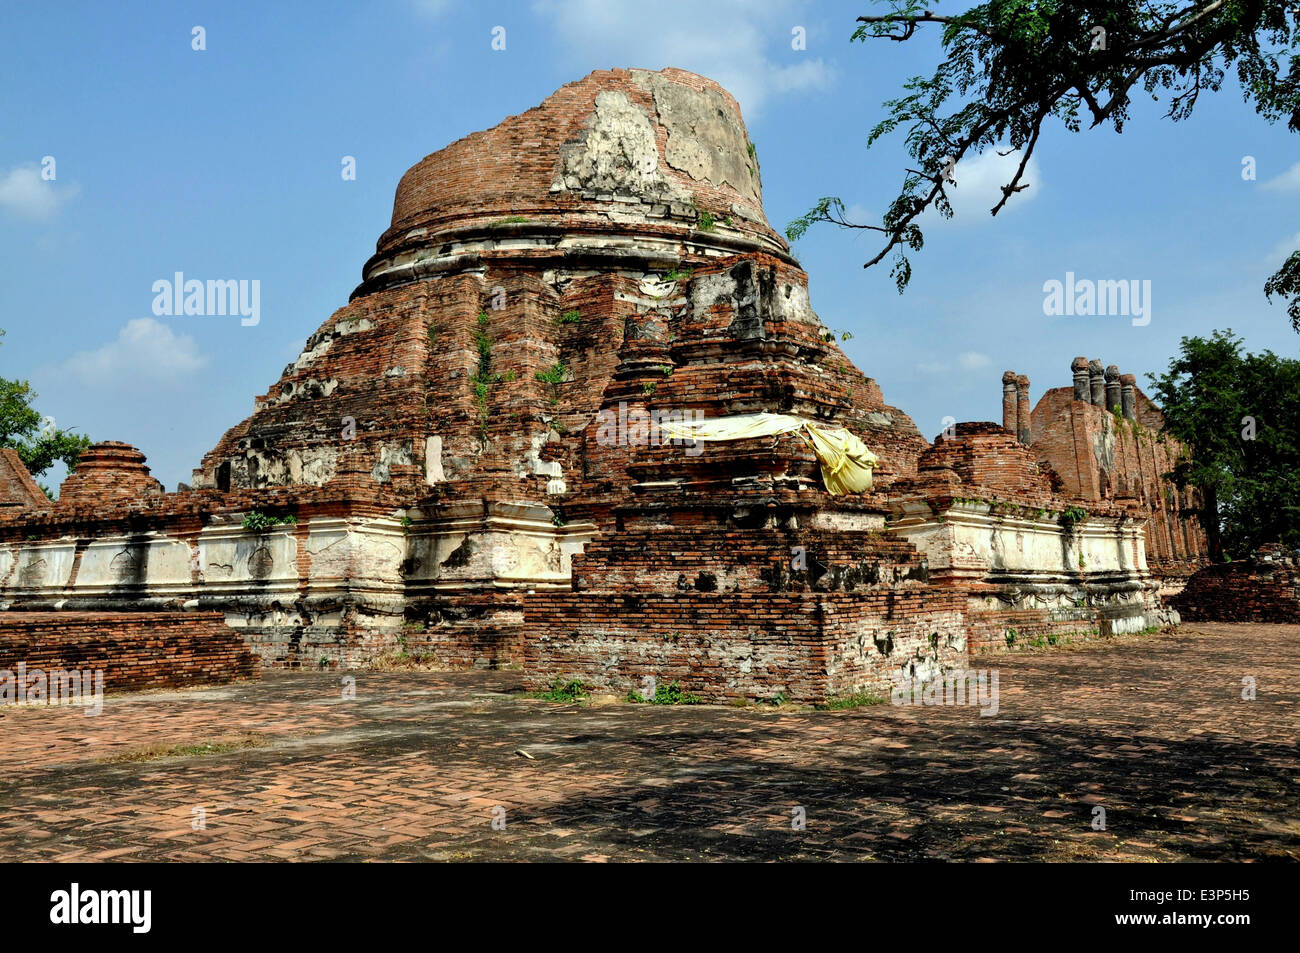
(622, 165)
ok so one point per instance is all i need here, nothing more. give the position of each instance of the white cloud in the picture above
(978, 189)
(859, 213)
(145, 349)
(810, 74)
(737, 43)
(25, 194)
(966, 361)
(1288, 181)
(979, 185)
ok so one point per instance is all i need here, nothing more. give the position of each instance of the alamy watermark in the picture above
(1100, 298)
(83, 687)
(73, 906)
(642, 428)
(213, 297)
(976, 688)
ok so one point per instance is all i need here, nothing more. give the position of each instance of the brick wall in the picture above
(1102, 458)
(803, 646)
(469, 630)
(737, 602)
(1263, 588)
(986, 456)
(135, 650)
(1001, 629)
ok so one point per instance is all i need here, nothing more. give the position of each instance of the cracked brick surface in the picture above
(1154, 729)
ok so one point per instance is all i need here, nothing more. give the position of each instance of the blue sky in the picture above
(225, 163)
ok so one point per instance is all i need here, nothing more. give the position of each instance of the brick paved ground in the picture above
(1152, 728)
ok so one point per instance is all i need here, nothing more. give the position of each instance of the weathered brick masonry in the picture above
(17, 488)
(134, 650)
(993, 523)
(465, 461)
(1116, 451)
(749, 599)
(807, 646)
(1262, 588)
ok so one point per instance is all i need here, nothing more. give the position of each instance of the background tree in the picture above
(1240, 414)
(1011, 65)
(38, 442)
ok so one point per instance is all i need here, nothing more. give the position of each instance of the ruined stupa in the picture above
(478, 460)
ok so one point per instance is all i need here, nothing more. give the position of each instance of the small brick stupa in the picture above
(467, 462)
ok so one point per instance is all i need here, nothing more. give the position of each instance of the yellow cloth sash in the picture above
(845, 461)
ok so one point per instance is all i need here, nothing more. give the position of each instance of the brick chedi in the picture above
(474, 459)
(546, 240)
(108, 472)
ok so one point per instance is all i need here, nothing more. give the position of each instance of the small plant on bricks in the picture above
(260, 522)
(856, 700)
(562, 691)
(670, 694)
(1071, 517)
(553, 375)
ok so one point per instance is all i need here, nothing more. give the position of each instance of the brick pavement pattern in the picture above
(1152, 728)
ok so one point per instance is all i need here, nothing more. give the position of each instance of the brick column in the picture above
(1097, 384)
(1112, 388)
(1009, 408)
(1128, 396)
(1082, 390)
(1022, 408)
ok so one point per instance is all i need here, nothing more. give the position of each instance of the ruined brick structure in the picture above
(466, 462)
(1265, 587)
(18, 491)
(1103, 438)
